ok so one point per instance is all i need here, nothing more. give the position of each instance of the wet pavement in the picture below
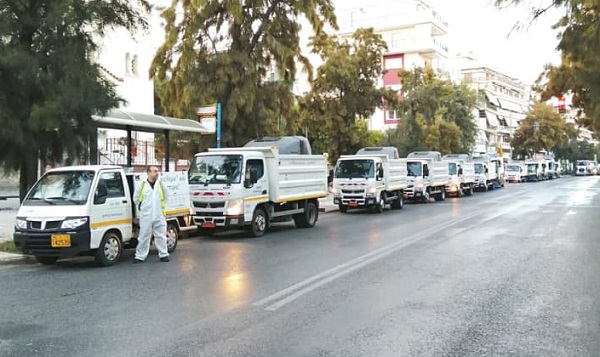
(511, 272)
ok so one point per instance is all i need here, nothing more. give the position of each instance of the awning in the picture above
(122, 120)
(492, 98)
(512, 106)
(492, 119)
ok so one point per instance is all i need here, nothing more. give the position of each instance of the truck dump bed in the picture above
(297, 177)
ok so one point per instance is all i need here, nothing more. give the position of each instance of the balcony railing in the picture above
(357, 19)
(418, 44)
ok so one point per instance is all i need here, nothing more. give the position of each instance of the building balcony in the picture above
(428, 46)
(393, 19)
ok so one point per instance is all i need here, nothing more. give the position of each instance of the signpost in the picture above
(210, 117)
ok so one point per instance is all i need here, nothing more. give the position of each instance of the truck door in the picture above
(111, 208)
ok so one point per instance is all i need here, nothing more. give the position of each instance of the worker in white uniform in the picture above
(150, 198)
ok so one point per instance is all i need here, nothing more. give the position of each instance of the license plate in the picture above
(353, 204)
(208, 225)
(60, 241)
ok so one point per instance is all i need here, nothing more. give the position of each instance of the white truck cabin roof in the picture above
(269, 152)
(425, 155)
(94, 168)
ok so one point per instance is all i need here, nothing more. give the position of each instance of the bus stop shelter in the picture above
(130, 122)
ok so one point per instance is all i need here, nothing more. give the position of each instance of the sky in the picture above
(478, 26)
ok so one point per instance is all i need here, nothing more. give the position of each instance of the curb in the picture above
(11, 258)
(325, 211)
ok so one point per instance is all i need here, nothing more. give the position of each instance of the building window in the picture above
(127, 63)
(134, 65)
(393, 115)
(393, 63)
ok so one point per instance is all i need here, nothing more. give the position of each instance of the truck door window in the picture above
(257, 166)
(113, 182)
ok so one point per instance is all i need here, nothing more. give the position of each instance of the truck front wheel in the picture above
(259, 223)
(442, 195)
(308, 218)
(109, 251)
(172, 238)
(343, 208)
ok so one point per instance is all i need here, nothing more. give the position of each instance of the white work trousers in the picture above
(148, 228)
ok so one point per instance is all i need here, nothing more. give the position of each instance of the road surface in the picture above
(512, 272)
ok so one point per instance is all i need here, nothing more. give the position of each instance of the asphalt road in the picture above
(513, 272)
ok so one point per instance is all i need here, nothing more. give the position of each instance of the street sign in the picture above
(210, 117)
(207, 116)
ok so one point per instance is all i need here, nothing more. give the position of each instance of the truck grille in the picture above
(50, 225)
(219, 204)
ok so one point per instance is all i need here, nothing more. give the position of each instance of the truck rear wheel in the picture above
(172, 237)
(469, 191)
(46, 260)
(259, 223)
(109, 251)
(441, 196)
(399, 202)
(308, 218)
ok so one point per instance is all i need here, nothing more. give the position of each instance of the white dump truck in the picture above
(515, 171)
(486, 172)
(428, 176)
(89, 210)
(500, 170)
(251, 187)
(533, 172)
(462, 174)
(372, 178)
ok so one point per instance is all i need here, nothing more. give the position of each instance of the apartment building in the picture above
(503, 102)
(414, 33)
(124, 59)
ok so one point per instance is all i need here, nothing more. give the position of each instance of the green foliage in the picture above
(435, 114)
(50, 87)
(573, 150)
(224, 51)
(579, 71)
(542, 129)
(345, 91)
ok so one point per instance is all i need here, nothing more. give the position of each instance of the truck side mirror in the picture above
(425, 171)
(380, 173)
(248, 183)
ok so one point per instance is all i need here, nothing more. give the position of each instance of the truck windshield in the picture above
(581, 163)
(414, 169)
(512, 168)
(61, 188)
(532, 168)
(219, 169)
(452, 168)
(479, 168)
(355, 169)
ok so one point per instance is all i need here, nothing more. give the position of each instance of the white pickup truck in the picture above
(464, 182)
(251, 187)
(428, 176)
(369, 179)
(89, 210)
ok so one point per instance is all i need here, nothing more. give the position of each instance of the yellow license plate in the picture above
(60, 241)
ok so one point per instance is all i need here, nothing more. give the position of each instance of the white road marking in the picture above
(306, 286)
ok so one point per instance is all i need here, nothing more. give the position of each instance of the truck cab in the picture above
(461, 174)
(533, 171)
(514, 172)
(428, 176)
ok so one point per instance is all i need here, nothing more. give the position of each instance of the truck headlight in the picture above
(20, 223)
(73, 223)
(373, 190)
(418, 187)
(235, 208)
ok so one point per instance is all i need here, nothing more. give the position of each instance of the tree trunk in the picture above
(27, 175)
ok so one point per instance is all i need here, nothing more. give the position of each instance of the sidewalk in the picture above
(8, 212)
